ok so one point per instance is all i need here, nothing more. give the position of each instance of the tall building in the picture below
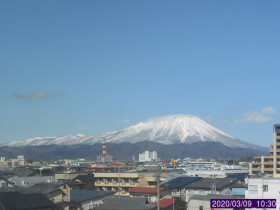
(269, 164)
(148, 156)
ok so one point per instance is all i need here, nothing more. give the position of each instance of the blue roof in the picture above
(180, 182)
(82, 195)
(241, 176)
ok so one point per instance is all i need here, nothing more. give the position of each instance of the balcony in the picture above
(268, 169)
(115, 184)
(272, 150)
(176, 194)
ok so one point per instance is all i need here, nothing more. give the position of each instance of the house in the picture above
(171, 204)
(53, 191)
(87, 180)
(202, 202)
(238, 189)
(209, 185)
(66, 176)
(126, 203)
(177, 185)
(29, 181)
(88, 199)
(18, 201)
(241, 176)
(149, 192)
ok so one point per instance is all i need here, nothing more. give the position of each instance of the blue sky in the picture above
(89, 67)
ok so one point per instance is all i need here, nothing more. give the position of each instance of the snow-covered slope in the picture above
(167, 130)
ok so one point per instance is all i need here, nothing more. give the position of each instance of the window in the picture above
(200, 207)
(265, 188)
(23, 182)
(253, 189)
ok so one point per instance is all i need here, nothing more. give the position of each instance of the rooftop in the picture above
(180, 182)
(152, 190)
(207, 183)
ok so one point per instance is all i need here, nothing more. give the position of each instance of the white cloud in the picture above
(258, 116)
(36, 96)
(269, 110)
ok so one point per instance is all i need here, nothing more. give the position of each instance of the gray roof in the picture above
(85, 178)
(123, 203)
(83, 195)
(44, 188)
(29, 181)
(15, 200)
(213, 196)
(207, 183)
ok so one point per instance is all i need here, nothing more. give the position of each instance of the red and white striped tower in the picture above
(104, 154)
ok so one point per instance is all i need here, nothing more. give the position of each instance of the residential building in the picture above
(202, 202)
(238, 189)
(171, 204)
(148, 156)
(17, 162)
(149, 192)
(88, 180)
(206, 186)
(122, 203)
(53, 191)
(177, 186)
(269, 164)
(3, 162)
(263, 188)
(89, 199)
(121, 182)
(30, 181)
(66, 176)
(17, 201)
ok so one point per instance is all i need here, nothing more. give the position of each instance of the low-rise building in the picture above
(206, 186)
(121, 203)
(121, 182)
(263, 188)
(30, 181)
(149, 192)
(89, 199)
(202, 202)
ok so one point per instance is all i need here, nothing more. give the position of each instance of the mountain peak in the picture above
(168, 129)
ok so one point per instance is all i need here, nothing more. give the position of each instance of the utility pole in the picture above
(119, 193)
(214, 186)
(158, 190)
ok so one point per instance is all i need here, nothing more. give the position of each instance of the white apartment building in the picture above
(17, 162)
(147, 156)
(12, 162)
(263, 188)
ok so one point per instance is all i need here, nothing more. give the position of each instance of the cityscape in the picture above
(138, 105)
(146, 182)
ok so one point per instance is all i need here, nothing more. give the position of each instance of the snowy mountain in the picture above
(166, 130)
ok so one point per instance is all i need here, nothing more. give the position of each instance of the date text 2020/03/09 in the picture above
(243, 203)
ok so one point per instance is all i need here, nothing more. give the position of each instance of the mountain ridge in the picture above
(166, 130)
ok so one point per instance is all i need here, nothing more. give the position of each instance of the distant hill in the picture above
(126, 150)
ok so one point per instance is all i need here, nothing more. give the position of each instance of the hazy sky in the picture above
(89, 67)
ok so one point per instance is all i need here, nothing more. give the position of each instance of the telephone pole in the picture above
(158, 189)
